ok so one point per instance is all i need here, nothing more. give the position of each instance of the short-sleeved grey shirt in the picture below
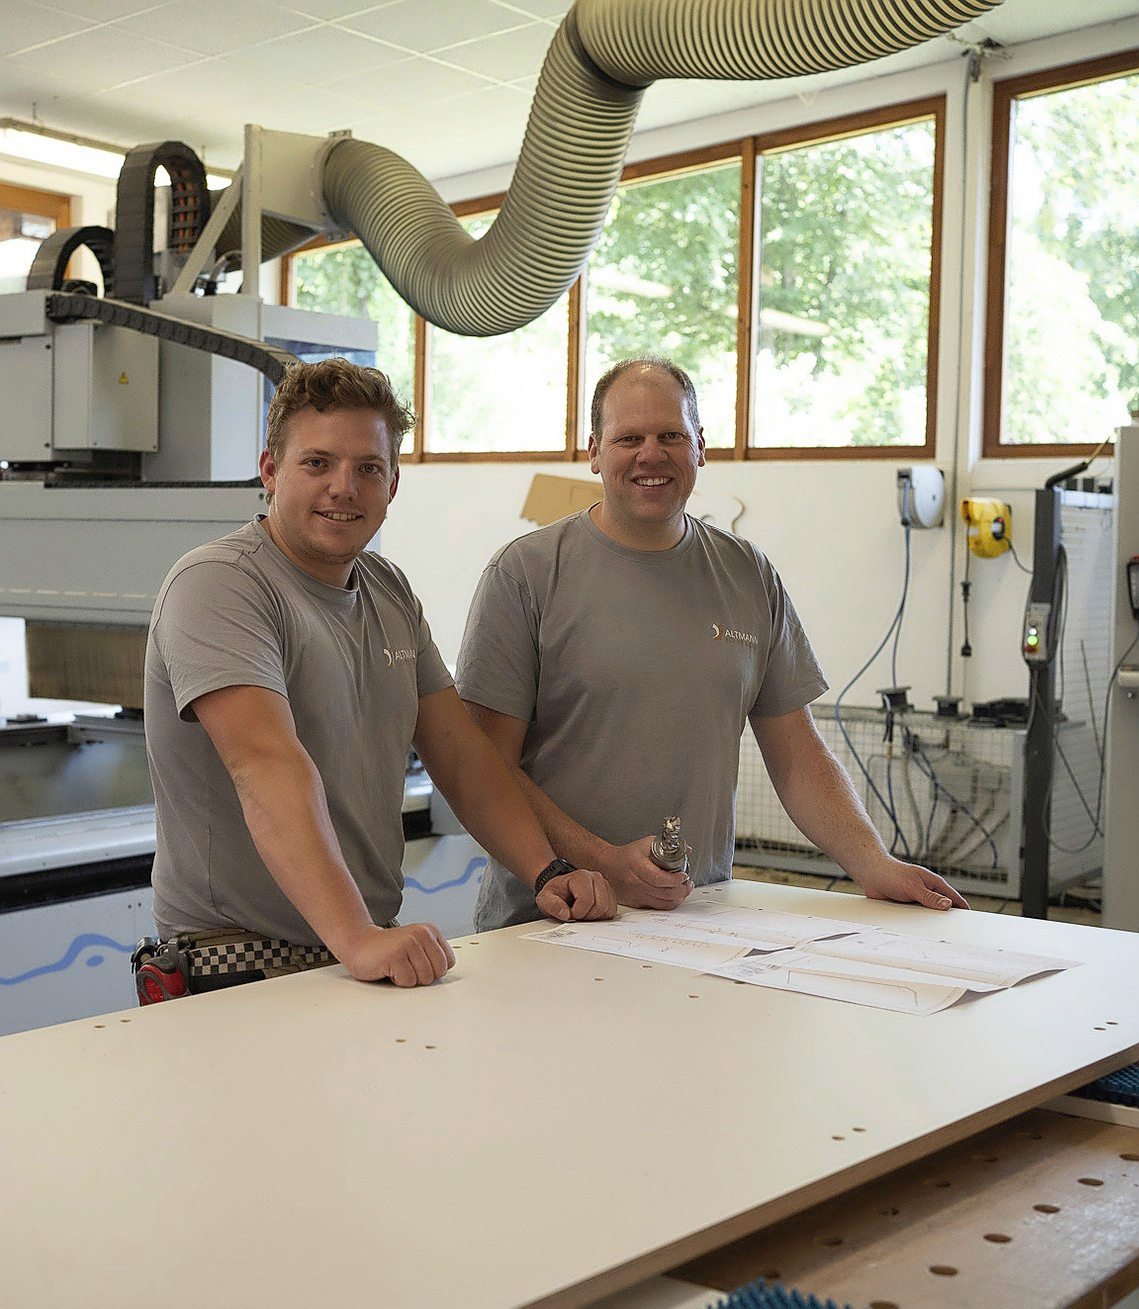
(637, 671)
(352, 663)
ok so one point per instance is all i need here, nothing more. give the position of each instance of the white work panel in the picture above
(544, 1126)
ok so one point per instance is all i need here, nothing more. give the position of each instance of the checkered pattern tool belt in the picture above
(246, 956)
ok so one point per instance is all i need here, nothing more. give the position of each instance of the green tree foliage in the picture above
(663, 278)
(1072, 311)
(344, 279)
(844, 286)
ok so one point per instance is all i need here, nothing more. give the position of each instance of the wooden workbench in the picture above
(545, 1126)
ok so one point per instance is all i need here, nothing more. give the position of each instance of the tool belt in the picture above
(167, 970)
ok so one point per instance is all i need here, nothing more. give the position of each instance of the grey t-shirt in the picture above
(352, 663)
(637, 671)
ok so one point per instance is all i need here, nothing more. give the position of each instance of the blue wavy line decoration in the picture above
(476, 865)
(74, 950)
(88, 939)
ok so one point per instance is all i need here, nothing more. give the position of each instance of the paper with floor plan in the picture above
(699, 936)
(840, 979)
(797, 952)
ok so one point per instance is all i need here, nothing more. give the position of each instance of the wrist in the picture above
(555, 868)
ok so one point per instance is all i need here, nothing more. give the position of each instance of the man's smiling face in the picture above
(647, 453)
(331, 488)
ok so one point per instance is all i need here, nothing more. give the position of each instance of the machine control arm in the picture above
(63, 307)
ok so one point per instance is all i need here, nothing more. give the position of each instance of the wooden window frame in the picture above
(838, 129)
(469, 209)
(660, 169)
(30, 200)
(747, 150)
(1064, 77)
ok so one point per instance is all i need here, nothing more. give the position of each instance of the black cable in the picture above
(896, 621)
(927, 768)
(966, 587)
(1016, 557)
(1098, 828)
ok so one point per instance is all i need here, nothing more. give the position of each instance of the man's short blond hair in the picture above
(332, 384)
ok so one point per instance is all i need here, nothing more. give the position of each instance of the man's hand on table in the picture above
(580, 896)
(415, 955)
(894, 879)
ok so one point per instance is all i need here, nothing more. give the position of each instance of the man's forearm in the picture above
(285, 809)
(483, 792)
(569, 839)
(822, 803)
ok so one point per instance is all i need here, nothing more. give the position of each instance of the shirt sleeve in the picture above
(792, 678)
(498, 659)
(216, 628)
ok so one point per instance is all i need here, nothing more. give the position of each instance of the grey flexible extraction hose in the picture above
(602, 58)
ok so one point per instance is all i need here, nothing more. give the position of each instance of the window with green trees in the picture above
(1063, 327)
(664, 278)
(793, 277)
(499, 394)
(343, 279)
(846, 259)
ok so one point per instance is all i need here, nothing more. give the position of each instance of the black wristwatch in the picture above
(552, 870)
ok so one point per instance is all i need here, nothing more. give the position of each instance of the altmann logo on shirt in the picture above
(397, 656)
(730, 634)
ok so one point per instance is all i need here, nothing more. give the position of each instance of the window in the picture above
(499, 394)
(1062, 343)
(795, 277)
(664, 278)
(848, 246)
(26, 218)
(344, 279)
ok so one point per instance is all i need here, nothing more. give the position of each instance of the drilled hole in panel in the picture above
(1090, 1181)
(124, 1020)
(942, 1270)
(838, 1138)
(883, 1304)
(858, 1129)
(1131, 1158)
(1046, 1208)
(997, 1238)
(100, 1026)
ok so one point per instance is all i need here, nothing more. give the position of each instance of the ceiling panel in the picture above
(317, 57)
(29, 25)
(103, 57)
(506, 55)
(404, 72)
(410, 85)
(218, 26)
(424, 28)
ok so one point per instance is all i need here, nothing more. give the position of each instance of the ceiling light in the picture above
(76, 154)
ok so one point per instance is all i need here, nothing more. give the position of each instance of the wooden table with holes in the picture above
(544, 1127)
